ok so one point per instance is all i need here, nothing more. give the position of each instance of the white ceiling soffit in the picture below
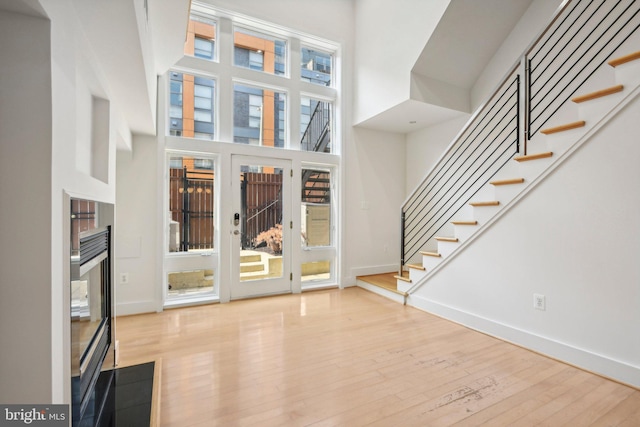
(24, 7)
(409, 116)
(466, 38)
(168, 20)
(131, 54)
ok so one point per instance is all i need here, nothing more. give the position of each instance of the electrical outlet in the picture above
(124, 278)
(539, 302)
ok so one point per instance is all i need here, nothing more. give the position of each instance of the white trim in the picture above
(579, 357)
(261, 25)
(374, 269)
(138, 307)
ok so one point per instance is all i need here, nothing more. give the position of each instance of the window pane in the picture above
(316, 207)
(203, 48)
(191, 198)
(202, 116)
(201, 35)
(175, 112)
(316, 270)
(191, 108)
(204, 91)
(190, 282)
(259, 52)
(258, 115)
(203, 103)
(315, 125)
(315, 66)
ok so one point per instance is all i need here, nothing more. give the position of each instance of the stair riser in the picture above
(447, 248)
(485, 213)
(485, 193)
(463, 232)
(403, 286)
(251, 268)
(628, 74)
(591, 111)
(416, 275)
(430, 262)
(532, 169)
(506, 193)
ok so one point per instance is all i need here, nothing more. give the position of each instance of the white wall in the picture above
(47, 81)
(329, 19)
(75, 79)
(534, 20)
(25, 207)
(373, 194)
(389, 37)
(424, 148)
(137, 236)
(575, 239)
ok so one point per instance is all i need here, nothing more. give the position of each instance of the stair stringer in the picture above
(548, 169)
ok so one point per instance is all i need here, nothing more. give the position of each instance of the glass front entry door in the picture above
(261, 229)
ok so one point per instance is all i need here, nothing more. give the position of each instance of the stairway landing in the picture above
(382, 284)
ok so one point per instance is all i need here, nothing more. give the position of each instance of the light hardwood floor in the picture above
(353, 358)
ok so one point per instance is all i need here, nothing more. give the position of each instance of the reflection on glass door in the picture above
(317, 229)
(261, 230)
(190, 262)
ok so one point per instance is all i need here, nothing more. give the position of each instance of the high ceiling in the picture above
(466, 38)
(133, 46)
(464, 41)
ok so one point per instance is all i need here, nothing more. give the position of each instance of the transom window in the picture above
(260, 109)
(259, 51)
(259, 116)
(315, 66)
(201, 36)
(191, 106)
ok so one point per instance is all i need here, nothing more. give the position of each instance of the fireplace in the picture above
(91, 310)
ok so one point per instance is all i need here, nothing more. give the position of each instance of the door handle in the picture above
(236, 232)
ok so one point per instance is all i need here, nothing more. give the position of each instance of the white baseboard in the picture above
(374, 269)
(137, 307)
(581, 358)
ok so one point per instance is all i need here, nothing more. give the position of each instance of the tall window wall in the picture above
(248, 87)
(282, 87)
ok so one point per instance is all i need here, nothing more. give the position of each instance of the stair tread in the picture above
(562, 128)
(487, 203)
(416, 267)
(533, 156)
(433, 254)
(404, 279)
(447, 239)
(507, 181)
(598, 94)
(624, 59)
(464, 222)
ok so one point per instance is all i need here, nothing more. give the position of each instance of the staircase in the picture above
(562, 110)
(515, 179)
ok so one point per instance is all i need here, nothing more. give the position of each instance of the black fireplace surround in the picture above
(92, 334)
